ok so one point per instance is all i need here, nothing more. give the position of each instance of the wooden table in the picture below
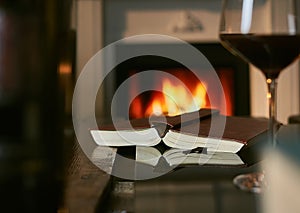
(193, 189)
(86, 185)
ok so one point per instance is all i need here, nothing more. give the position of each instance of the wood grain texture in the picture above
(86, 185)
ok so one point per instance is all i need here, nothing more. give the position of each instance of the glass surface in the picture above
(264, 33)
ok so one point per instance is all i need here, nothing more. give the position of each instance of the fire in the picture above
(176, 99)
(170, 97)
(156, 107)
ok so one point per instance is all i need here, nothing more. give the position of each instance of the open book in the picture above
(202, 128)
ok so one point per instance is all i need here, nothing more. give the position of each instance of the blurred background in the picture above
(36, 65)
(100, 22)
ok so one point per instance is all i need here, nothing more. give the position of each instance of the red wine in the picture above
(270, 53)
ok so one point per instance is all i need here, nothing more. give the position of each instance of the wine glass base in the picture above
(251, 182)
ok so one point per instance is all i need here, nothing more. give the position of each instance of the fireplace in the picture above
(102, 22)
(232, 72)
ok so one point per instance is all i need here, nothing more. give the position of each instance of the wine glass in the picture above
(264, 33)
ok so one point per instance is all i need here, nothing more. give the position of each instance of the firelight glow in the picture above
(157, 108)
(177, 99)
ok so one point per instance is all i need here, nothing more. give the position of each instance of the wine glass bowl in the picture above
(265, 33)
(264, 51)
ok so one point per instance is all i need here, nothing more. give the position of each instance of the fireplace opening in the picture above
(186, 94)
(232, 72)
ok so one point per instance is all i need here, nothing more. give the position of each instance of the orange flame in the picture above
(176, 99)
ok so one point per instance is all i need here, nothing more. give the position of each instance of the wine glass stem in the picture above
(272, 89)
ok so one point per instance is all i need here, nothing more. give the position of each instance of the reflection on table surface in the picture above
(202, 188)
(189, 189)
(186, 189)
